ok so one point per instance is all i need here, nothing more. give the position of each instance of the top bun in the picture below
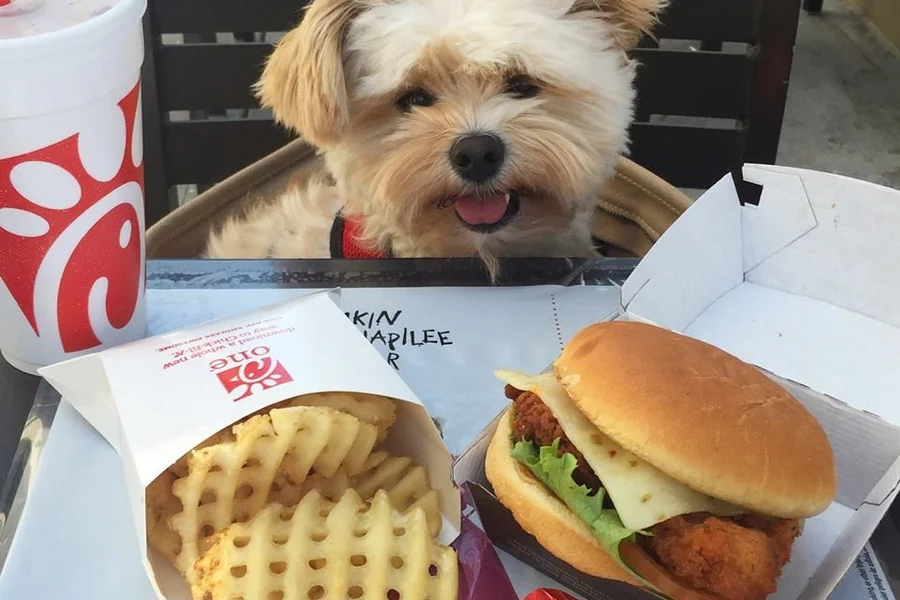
(704, 417)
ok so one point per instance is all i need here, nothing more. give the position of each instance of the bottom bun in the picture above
(539, 512)
(657, 575)
(542, 514)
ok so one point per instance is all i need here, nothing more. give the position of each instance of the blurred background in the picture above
(843, 105)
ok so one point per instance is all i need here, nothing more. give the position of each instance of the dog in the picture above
(449, 128)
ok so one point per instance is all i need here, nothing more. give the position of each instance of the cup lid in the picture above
(29, 18)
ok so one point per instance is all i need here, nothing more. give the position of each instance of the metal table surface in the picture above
(23, 425)
(17, 395)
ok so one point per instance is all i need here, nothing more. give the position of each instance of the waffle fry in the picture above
(368, 408)
(328, 551)
(406, 485)
(161, 504)
(375, 459)
(232, 481)
(285, 492)
(180, 468)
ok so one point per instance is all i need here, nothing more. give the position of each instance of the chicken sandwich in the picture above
(653, 458)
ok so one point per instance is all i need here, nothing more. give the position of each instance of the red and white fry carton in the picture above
(806, 286)
(157, 398)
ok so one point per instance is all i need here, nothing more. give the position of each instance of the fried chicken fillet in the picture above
(738, 558)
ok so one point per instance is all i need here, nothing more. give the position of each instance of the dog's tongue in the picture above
(481, 210)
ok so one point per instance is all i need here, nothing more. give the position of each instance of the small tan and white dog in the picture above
(448, 127)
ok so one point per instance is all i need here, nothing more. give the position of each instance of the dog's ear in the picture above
(303, 80)
(632, 19)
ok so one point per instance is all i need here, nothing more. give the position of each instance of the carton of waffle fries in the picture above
(274, 455)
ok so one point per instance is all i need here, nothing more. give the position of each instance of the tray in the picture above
(274, 275)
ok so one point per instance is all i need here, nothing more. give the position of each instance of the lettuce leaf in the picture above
(556, 473)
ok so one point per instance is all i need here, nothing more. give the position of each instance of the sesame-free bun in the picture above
(704, 417)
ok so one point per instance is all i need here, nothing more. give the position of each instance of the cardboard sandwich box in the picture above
(158, 398)
(806, 286)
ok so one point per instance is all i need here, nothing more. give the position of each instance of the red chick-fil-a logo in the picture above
(249, 372)
(71, 228)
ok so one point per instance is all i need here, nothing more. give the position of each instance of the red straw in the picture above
(5, 2)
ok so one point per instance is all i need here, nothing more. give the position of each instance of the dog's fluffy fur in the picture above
(336, 79)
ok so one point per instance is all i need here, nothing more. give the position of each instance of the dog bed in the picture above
(633, 210)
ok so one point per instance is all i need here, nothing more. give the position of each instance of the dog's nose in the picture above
(477, 158)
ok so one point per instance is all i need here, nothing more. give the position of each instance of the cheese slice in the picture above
(642, 494)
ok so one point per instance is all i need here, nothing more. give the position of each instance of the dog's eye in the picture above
(414, 97)
(521, 87)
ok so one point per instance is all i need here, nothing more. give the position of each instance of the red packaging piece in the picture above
(481, 574)
(547, 594)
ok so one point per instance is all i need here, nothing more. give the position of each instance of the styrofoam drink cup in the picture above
(71, 178)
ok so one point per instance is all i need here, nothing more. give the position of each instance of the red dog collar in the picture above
(345, 240)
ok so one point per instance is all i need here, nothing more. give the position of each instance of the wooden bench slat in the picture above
(711, 20)
(191, 77)
(204, 152)
(212, 16)
(685, 156)
(702, 84)
(718, 20)
(690, 157)
(695, 84)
